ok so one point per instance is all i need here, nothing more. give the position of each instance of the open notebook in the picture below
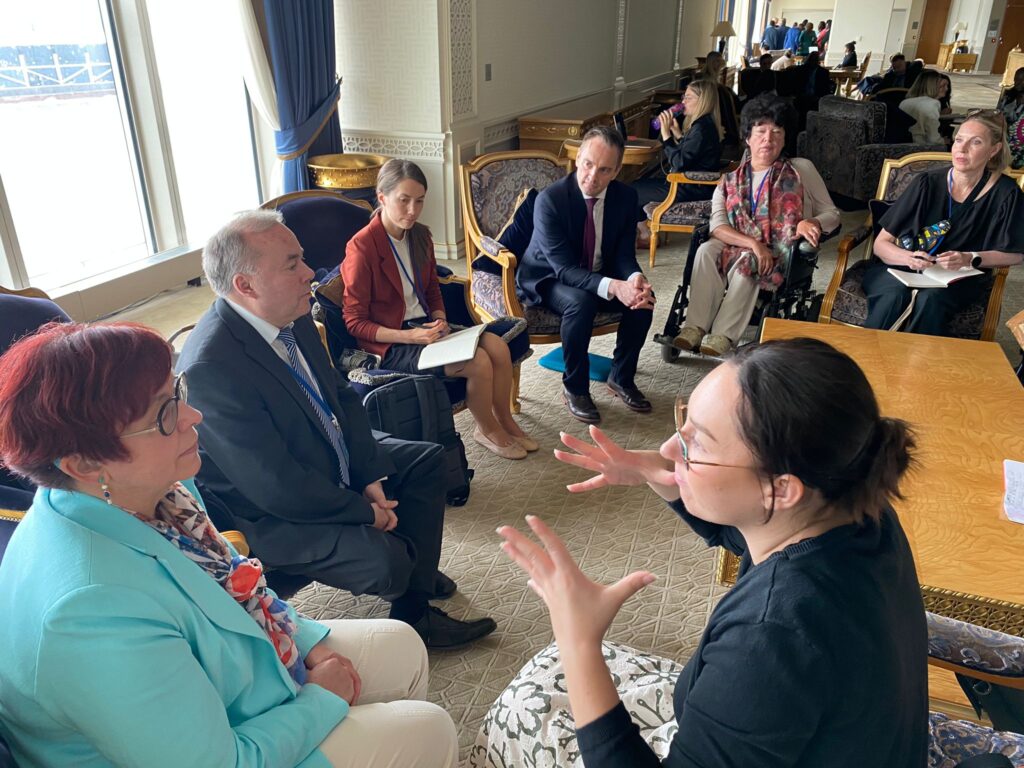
(454, 348)
(933, 277)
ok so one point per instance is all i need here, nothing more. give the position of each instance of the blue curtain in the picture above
(301, 36)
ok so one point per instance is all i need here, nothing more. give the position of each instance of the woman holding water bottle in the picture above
(757, 213)
(691, 133)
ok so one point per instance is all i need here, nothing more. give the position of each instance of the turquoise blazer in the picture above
(115, 649)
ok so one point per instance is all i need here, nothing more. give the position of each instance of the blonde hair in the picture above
(926, 84)
(995, 123)
(706, 92)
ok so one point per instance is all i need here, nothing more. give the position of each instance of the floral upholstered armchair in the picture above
(498, 190)
(846, 303)
(990, 666)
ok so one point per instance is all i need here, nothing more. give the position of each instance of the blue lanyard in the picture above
(755, 201)
(415, 285)
(313, 394)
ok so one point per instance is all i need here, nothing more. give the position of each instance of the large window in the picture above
(126, 134)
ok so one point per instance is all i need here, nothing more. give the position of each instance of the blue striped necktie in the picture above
(327, 420)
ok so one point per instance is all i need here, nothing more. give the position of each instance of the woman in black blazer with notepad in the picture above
(985, 214)
(392, 306)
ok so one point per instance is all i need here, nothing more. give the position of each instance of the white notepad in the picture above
(933, 277)
(454, 348)
(1013, 498)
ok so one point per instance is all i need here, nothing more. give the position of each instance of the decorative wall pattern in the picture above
(461, 26)
(493, 134)
(409, 147)
(620, 40)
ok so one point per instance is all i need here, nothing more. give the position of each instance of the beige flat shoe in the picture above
(513, 451)
(715, 345)
(528, 443)
(689, 338)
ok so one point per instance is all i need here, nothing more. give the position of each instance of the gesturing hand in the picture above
(612, 464)
(384, 518)
(581, 610)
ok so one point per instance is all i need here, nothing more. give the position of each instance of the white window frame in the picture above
(173, 260)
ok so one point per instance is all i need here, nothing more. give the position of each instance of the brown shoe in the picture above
(689, 338)
(715, 345)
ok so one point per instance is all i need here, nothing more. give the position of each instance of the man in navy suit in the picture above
(287, 446)
(582, 260)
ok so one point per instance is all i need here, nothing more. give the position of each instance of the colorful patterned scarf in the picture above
(780, 207)
(181, 521)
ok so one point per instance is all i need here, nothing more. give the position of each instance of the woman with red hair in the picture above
(133, 633)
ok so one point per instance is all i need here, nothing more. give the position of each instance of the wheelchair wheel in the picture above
(669, 353)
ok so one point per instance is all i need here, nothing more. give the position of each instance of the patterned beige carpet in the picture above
(611, 532)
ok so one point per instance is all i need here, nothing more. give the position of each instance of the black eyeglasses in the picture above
(167, 416)
(680, 413)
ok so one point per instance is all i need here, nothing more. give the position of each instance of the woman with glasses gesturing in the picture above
(816, 657)
(133, 633)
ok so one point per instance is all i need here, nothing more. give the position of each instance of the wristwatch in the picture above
(975, 259)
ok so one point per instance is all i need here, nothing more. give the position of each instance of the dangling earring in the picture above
(106, 490)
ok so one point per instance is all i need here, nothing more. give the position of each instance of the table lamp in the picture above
(723, 30)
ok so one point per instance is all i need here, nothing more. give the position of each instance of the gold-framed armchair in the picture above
(670, 216)
(845, 302)
(493, 187)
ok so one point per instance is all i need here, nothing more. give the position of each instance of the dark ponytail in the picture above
(808, 410)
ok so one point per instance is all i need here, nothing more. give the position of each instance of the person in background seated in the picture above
(922, 104)
(714, 65)
(135, 635)
(849, 56)
(900, 74)
(581, 260)
(765, 464)
(693, 142)
(392, 305)
(758, 212)
(287, 445)
(763, 80)
(945, 94)
(985, 209)
(815, 82)
(1011, 104)
(785, 61)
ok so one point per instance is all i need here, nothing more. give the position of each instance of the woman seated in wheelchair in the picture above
(392, 305)
(758, 212)
(693, 142)
(982, 213)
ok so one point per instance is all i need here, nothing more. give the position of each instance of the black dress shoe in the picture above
(439, 630)
(581, 407)
(443, 587)
(631, 397)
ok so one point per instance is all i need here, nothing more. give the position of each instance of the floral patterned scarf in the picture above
(779, 208)
(181, 521)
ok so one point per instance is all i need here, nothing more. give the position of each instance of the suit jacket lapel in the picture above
(257, 348)
(388, 265)
(607, 235)
(577, 215)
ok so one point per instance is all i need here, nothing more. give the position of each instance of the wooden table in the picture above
(546, 130)
(844, 79)
(967, 407)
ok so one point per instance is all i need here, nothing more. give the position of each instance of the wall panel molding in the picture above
(409, 146)
(462, 58)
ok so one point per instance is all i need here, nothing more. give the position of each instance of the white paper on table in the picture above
(1013, 499)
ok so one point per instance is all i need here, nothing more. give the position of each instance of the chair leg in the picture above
(655, 236)
(515, 405)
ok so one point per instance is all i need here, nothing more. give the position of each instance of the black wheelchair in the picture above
(795, 299)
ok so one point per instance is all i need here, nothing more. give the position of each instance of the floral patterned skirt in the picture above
(531, 724)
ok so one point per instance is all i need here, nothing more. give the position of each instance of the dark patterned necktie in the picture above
(327, 420)
(589, 235)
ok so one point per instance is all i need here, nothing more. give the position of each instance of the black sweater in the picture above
(700, 148)
(815, 658)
